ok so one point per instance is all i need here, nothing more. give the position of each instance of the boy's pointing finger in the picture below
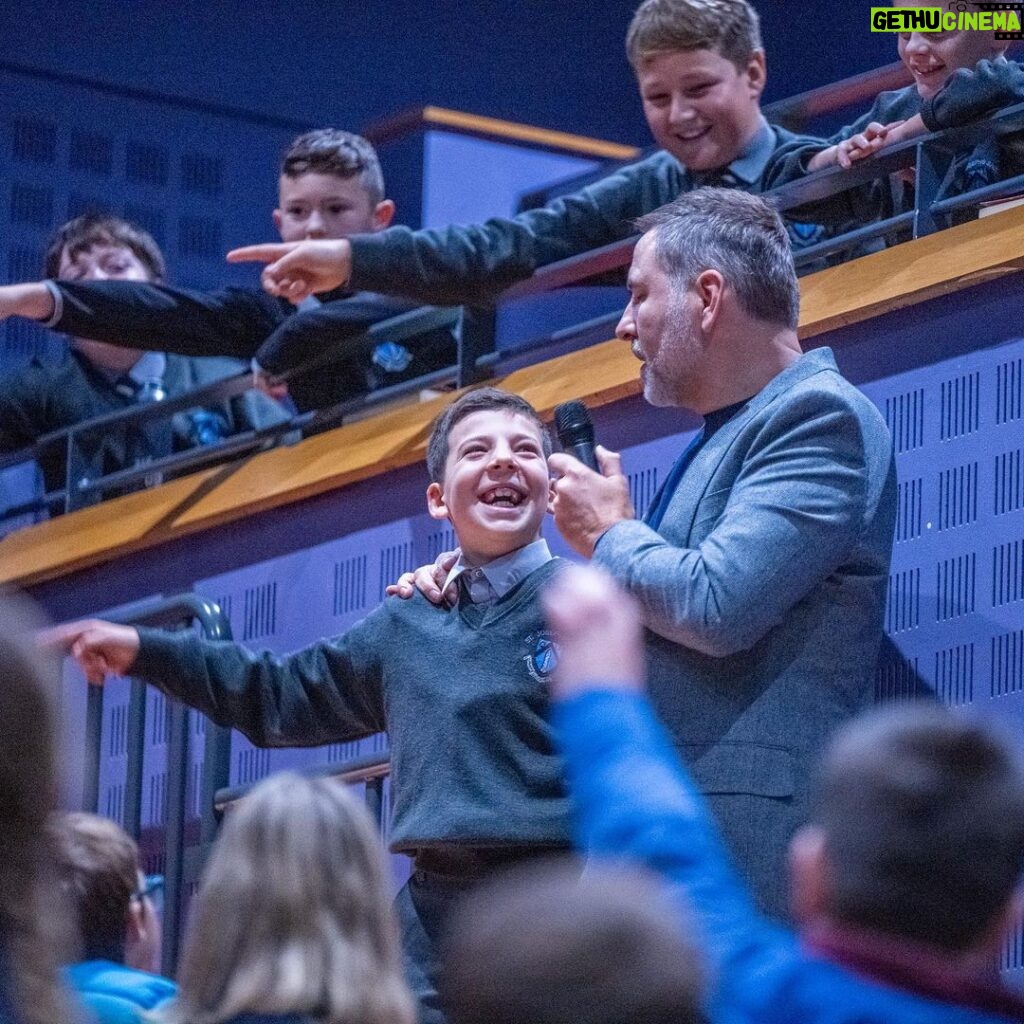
(268, 252)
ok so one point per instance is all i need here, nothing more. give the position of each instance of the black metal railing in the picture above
(179, 611)
(371, 769)
(931, 157)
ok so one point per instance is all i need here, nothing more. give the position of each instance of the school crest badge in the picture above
(543, 656)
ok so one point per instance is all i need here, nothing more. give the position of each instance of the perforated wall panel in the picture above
(199, 182)
(956, 592)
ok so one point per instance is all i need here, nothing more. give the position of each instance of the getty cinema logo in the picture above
(956, 16)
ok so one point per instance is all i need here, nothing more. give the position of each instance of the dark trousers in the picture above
(425, 903)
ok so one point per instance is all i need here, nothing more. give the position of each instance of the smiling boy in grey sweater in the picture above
(476, 783)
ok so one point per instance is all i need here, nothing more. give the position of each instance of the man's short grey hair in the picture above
(737, 234)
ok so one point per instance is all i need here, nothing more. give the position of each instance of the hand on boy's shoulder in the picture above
(428, 580)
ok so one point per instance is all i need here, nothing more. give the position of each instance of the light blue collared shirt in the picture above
(151, 366)
(487, 583)
(749, 165)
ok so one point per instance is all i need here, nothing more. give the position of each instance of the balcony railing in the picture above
(929, 157)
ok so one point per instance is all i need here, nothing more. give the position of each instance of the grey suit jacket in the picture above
(763, 595)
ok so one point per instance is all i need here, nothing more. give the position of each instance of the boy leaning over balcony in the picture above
(959, 76)
(700, 67)
(330, 186)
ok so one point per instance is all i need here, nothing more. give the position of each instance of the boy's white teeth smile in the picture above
(694, 133)
(506, 497)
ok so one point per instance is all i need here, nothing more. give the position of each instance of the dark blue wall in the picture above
(552, 63)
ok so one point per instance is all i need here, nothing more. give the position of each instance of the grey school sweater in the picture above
(461, 693)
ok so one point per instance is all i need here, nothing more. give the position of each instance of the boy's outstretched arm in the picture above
(472, 263)
(31, 300)
(101, 648)
(229, 321)
(328, 691)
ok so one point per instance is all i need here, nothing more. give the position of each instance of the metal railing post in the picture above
(933, 165)
(93, 748)
(476, 340)
(75, 469)
(177, 792)
(136, 733)
(216, 773)
(215, 626)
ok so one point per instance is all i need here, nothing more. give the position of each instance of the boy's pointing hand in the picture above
(100, 648)
(296, 270)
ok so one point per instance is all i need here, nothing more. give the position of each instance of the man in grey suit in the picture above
(761, 567)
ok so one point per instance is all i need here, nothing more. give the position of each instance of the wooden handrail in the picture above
(938, 264)
(796, 111)
(871, 286)
(492, 127)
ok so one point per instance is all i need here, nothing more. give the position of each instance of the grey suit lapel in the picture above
(681, 513)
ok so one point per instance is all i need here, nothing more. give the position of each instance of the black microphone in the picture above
(576, 432)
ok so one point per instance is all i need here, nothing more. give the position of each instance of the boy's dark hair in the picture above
(479, 400)
(731, 27)
(343, 154)
(98, 871)
(922, 812)
(737, 234)
(549, 946)
(101, 229)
